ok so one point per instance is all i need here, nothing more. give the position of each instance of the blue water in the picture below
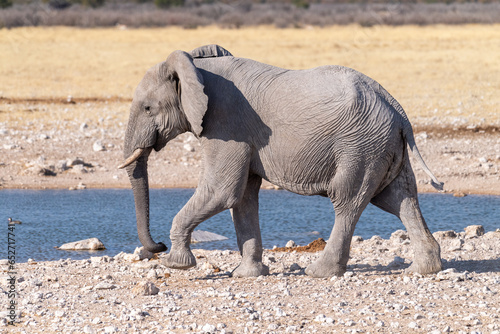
(54, 217)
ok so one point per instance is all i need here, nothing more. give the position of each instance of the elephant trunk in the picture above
(138, 175)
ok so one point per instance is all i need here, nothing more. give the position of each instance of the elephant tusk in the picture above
(137, 153)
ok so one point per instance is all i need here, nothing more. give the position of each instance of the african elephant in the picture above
(328, 131)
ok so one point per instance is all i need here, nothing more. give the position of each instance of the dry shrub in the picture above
(246, 13)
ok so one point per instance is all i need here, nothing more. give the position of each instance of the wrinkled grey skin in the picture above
(328, 131)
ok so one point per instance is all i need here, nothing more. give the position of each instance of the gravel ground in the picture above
(124, 294)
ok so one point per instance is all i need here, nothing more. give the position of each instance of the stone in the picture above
(9, 146)
(204, 236)
(104, 286)
(399, 236)
(143, 253)
(473, 231)
(295, 267)
(81, 186)
(87, 244)
(60, 314)
(445, 235)
(455, 245)
(98, 146)
(62, 165)
(291, 244)
(88, 330)
(78, 169)
(145, 289)
(189, 147)
(208, 328)
(357, 238)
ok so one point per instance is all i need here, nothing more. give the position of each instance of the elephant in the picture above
(328, 131)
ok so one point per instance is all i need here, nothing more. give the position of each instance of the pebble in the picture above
(98, 146)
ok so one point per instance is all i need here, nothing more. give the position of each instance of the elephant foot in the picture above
(425, 266)
(428, 261)
(251, 269)
(179, 259)
(321, 268)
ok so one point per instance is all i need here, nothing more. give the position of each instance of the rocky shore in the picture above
(124, 294)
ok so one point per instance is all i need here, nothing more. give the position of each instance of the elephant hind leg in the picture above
(246, 222)
(351, 193)
(400, 199)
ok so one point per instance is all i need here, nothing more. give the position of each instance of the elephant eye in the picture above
(148, 110)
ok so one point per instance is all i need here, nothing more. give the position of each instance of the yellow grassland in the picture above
(433, 71)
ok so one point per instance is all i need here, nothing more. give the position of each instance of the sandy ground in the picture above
(61, 152)
(110, 295)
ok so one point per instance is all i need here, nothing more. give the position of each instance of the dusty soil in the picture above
(51, 148)
(104, 294)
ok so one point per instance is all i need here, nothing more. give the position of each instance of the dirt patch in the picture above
(315, 246)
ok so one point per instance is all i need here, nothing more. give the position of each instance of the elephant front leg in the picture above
(246, 222)
(204, 204)
(221, 187)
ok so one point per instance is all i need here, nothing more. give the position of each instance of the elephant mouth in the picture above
(134, 157)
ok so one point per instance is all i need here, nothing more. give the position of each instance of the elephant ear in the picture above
(193, 100)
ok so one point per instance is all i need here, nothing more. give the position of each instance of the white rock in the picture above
(189, 147)
(9, 146)
(78, 169)
(474, 231)
(291, 244)
(60, 314)
(98, 146)
(455, 245)
(280, 312)
(84, 126)
(143, 253)
(87, 244)
(208, 328)
(104, 286)
(399, 236)
(413, 325)
(357, 238)
(204, 236)
(152, 274)
(131, 257)
(145, 289)
(88, 330)
(110, 329)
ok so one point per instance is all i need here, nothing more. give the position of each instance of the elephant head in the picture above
(168, 101)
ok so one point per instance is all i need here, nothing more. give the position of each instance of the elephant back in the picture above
(210, 51)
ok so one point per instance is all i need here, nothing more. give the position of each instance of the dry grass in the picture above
(433, 71)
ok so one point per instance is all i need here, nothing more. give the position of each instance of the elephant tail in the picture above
(408, 135)
(410, 139)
